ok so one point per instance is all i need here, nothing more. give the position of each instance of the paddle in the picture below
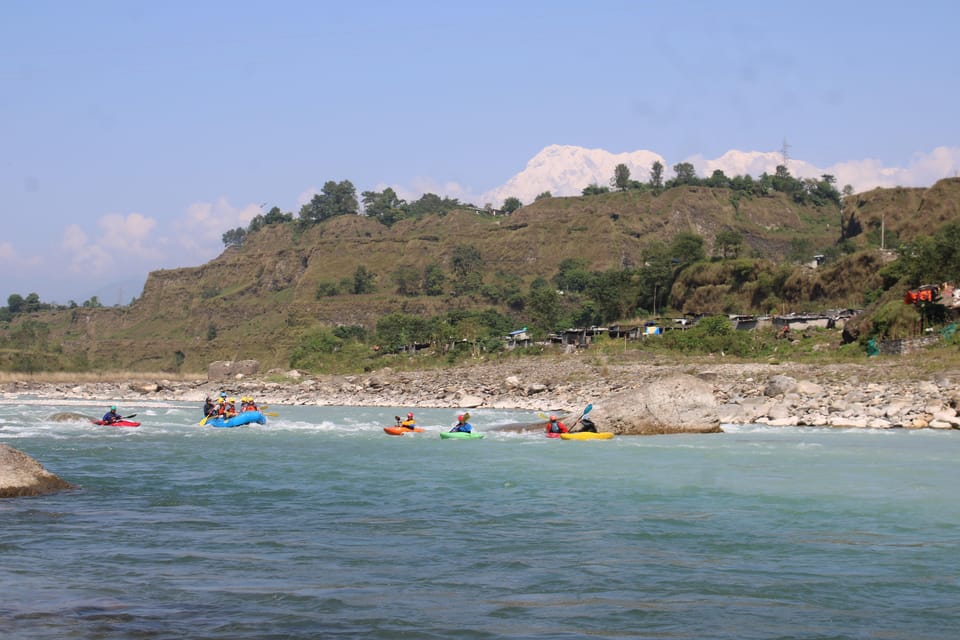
(132, 415)
(585, 411)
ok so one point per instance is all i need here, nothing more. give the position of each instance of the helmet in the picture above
(460, 418)
(231, 400)
(553, 418)
(221, 400)
(113, 407)
(223, 394)
(410, 415)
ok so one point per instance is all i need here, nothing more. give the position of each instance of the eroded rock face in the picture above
(675, 404)
(21, 475)
(227, 369)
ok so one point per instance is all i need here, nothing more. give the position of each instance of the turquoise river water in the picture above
(318, 525)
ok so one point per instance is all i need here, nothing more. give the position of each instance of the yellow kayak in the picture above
(586, 435)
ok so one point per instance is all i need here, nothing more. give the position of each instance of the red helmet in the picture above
(553, 418)
(409, 415)
(460, 418)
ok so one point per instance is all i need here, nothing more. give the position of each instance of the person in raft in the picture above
(209, 408)
(111, 416)
(555, 426)
(462, 425)
(409, 423)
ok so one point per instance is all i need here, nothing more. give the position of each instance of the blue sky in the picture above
(133, 134)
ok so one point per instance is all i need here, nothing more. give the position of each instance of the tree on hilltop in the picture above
(594, 190)
(335, 199)
(511, 204)
(621, 177)
(656, 175)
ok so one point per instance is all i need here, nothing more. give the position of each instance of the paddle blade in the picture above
(272, 414)
(204, 421)
(132, 415)
(588, 409)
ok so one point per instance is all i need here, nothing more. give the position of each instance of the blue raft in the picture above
(242, 418)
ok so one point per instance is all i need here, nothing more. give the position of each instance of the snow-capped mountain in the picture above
(564, 170)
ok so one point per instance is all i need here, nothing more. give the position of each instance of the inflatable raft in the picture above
(242, 418)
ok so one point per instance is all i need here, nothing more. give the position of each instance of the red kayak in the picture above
(118, 423)
(399, 431)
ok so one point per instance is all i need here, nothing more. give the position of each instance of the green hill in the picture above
(264, 298)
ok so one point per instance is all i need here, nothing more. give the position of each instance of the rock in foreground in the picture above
(21, 475)
(675, 404)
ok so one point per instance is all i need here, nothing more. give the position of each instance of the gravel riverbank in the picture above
(875, 394)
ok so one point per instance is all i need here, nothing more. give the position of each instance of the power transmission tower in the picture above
(785, 152)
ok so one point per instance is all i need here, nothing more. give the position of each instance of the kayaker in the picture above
(111, 416)
(409, 423)
(462, 425)
(555, 426)
(587, 425)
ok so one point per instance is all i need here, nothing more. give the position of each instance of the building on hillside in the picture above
(518, 338)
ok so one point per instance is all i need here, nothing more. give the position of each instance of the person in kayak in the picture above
(462, 425)
(555, 426)
(409, 423)
(111, 416)
(587, 425)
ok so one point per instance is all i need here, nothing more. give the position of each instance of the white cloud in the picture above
(7, 252)
(200, 232)
(85, 258)
(129, 235)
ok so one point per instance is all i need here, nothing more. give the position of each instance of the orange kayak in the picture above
(399, 431)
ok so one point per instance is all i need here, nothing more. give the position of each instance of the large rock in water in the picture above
(21, 475)
(677, 404)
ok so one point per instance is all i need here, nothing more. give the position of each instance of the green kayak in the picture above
(461, 435)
